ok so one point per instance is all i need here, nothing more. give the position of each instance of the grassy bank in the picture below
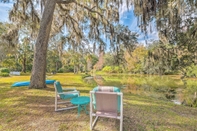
(33, 109)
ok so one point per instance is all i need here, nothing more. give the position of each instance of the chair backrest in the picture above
(58, 88)
(106, 98)
(106, 102)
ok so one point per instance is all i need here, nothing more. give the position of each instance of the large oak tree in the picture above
(95, 18)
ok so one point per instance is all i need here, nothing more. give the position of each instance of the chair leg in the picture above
(55, 102)
(90, 121)
(90, 111)
(121, 121)
(61, 109)
(92, 124)
(94, 121)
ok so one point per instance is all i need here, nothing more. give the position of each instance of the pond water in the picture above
(170, 88)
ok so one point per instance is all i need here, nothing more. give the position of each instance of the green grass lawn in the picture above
(23, 109)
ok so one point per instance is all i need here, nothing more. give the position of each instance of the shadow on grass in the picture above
(82, 89)
(34, 110)
(5, 84)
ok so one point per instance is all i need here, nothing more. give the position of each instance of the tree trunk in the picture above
(89, 65)
(24, 65)
(38, 74)
(74, 69)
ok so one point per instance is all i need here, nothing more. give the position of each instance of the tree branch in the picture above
(72, 21)
(64, 1)
(87, 8)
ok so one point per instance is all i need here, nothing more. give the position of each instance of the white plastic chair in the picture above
(106, 103)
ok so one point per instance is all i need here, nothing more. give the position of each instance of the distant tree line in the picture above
(154, 58)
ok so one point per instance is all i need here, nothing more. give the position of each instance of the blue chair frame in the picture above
(65, 95)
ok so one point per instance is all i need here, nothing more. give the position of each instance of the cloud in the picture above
(124, 8)
(129, 19)
(4, 10)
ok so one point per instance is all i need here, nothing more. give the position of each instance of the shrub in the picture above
(25, 74)
(191, 71)
(110, 69)
(190, 93)
(85, 75)
(68, 69)
(61, 70)
(168, 72)
(117, 69)
(4, 70)
(107, 69)
(4, 74)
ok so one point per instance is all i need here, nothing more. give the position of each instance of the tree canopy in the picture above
(91, 20)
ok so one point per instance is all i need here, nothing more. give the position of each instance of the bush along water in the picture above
(4, 72)
(190, 93)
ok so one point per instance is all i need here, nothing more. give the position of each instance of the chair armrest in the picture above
(69, 92)
(69, 88)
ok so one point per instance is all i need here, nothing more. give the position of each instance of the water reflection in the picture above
(176, 102)
(162, 87)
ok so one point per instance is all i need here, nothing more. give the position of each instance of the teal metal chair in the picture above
(63, 96)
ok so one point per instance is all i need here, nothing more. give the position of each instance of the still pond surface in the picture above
(170, 88)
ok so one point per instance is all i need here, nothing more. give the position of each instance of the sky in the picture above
(127, 18)
(4, 8)
(130, 20)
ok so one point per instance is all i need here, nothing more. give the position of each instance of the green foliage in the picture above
(117, 69)
(4, 74)
(68, 69)
(25, 74)
(111, 69)
(25, 54)
(9, 62)
(123, 39)
(85, 75)
(109, 59)
(18, 58)
(190, 93)
(191, 71)
(169, 72)
(53, 61)
(162, 59)
(156, 83)
(107, 69)
(61, 70)
(93, 58)
(135, 59)
(4, 70)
